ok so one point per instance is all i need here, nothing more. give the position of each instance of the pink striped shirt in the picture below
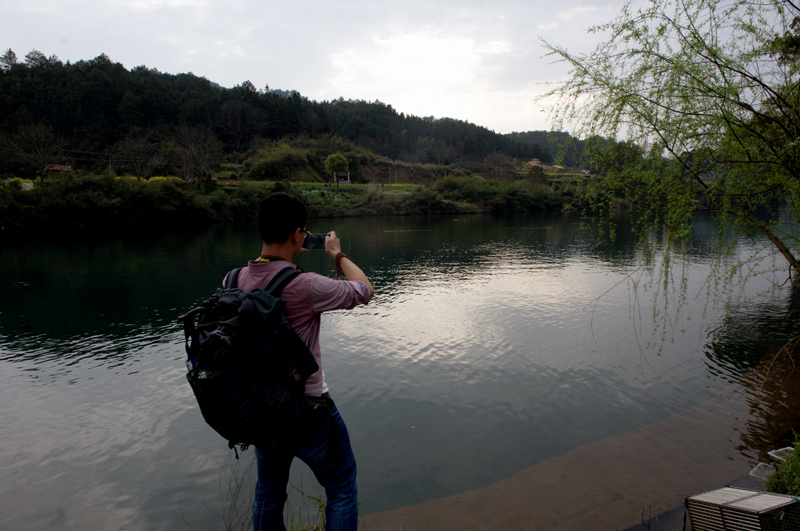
(306, 297)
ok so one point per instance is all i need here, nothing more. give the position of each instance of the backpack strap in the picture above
(279, 281)
(231, 279)
(275, 285)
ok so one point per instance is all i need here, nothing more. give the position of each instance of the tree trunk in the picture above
(790, 258)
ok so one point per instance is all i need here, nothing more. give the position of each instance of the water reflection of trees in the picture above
(756, 349)
(475, 244)
(64, 295)
(65, 289)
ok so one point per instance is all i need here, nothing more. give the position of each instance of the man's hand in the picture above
(351, 271)
(332, 244)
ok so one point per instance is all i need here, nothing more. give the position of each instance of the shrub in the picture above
(283, 163)
(786, 479)
(159, 179)
(11, 184)
(499, 195)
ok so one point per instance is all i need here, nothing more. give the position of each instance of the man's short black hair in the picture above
(279, 215)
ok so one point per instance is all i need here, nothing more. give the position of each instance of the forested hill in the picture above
(96, 109)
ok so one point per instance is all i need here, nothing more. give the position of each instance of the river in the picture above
(493, 344)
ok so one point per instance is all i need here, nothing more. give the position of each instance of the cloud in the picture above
(421, 62)
(470, 59)
(580, 12)
(422, 72)
(156, 5)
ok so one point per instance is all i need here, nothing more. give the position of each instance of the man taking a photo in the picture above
(321, 440)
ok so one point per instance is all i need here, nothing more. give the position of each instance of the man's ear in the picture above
(295, 237)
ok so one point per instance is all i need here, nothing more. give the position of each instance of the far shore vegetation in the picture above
(94, 145)
(98, 202)
(333, 176)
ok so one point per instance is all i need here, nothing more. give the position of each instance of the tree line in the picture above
(96, 115)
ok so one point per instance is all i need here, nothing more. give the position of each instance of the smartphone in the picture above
(314, 242)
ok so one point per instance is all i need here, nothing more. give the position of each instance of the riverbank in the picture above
(608, 484)
(111, 203)
(626, 481)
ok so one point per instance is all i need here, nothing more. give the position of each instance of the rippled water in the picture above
(493, 344)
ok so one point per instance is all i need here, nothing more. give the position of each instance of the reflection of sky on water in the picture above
(497, 342)
(533, 351)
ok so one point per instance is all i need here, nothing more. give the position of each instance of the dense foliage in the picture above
(502, 196)
(96, 115)
(126, 203)
(560, 147)
(109, 202)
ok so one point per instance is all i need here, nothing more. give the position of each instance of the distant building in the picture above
(54, 170)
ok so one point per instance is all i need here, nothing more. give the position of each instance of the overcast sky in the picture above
(476, 61)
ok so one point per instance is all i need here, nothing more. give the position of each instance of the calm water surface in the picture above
(493, 344)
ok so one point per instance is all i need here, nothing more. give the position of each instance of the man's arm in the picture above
(348, 267)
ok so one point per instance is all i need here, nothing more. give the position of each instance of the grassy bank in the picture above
(89, 201)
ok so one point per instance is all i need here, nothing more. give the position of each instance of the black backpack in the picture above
(243, 358)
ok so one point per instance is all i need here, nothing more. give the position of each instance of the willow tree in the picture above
(710, 90)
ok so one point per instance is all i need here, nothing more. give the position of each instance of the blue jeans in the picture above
(332, 461)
